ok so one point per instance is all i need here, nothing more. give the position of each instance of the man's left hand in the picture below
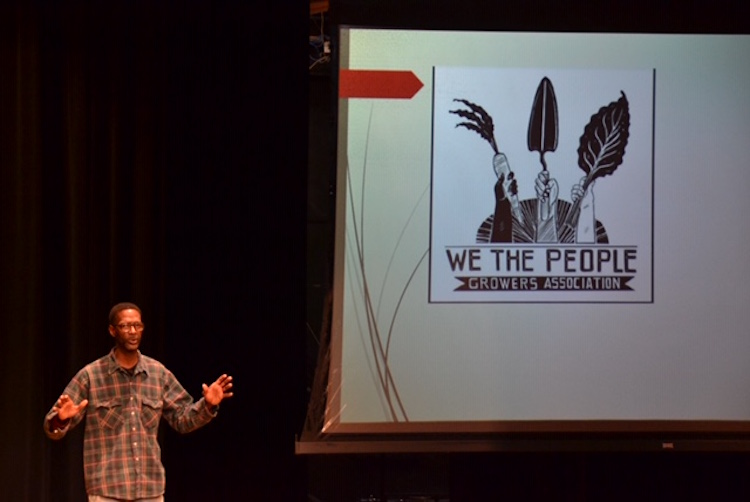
(218, 391)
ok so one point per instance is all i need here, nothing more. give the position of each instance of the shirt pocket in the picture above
(151, 412)
(109, 414)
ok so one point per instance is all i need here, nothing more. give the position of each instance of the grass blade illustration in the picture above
(377, 346)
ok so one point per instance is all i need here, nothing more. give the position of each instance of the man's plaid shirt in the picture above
(121, 454)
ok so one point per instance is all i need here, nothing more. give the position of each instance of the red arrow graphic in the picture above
(378, 84)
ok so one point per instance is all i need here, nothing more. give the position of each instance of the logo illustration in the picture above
(548, 218)
(545, 239)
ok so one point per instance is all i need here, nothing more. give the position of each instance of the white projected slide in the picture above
(539, 228)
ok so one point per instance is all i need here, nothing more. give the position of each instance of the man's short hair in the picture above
(114, 311)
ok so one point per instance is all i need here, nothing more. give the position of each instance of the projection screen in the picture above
(541, 232)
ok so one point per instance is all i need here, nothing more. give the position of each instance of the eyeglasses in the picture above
(126, 327)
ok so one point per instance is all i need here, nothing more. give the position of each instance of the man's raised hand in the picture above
(219, 390)
(66, 408)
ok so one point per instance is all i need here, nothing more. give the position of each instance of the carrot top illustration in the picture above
(479, 121)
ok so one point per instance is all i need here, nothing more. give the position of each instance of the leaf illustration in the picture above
(543, 123)
(604, 139)
(479, 121)
(602, 147)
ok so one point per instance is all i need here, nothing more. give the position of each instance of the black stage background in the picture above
(158, 152)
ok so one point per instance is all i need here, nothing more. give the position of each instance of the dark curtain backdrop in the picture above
(155, 152)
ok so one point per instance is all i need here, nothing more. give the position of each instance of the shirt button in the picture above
(132, 413)
(136, 459)
(135, 444)
(133, 429)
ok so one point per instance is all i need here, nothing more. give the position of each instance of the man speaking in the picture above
(123, 397)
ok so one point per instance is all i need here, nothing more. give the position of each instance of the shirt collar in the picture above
(113, 365)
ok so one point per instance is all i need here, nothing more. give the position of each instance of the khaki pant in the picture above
(99, 498)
